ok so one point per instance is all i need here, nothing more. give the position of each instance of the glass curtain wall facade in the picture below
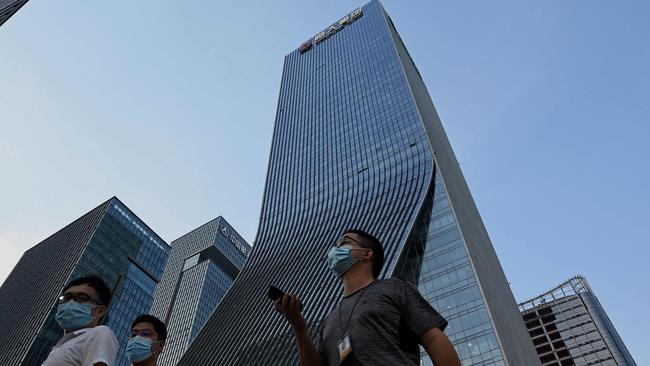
(8, 8)
(109, 241)
(569, 327)
(202, 266)
(438, 262)
(357, 144)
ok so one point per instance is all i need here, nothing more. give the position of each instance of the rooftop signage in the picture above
(331, 30)
(225, 232)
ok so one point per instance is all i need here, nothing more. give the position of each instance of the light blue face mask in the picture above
(340, 260)
(73, 315)
(139, 349)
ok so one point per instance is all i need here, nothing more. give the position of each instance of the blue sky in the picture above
(170, 106)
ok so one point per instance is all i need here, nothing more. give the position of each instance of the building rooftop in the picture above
(573, 286)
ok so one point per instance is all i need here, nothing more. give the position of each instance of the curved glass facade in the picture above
(356, 145)
(8, 8)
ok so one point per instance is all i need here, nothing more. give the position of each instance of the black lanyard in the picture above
(347, 324)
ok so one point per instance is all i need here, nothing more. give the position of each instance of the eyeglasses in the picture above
(79, 297)
(143, 333)
(348, 240)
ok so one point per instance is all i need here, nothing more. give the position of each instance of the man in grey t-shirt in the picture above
(378, 322)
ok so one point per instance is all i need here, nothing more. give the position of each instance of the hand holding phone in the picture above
(275, 293)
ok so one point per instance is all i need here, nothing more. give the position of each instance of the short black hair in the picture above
(97, 283)
(158, 325)
(371, 242)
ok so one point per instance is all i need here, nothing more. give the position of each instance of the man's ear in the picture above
(369, 254)
(103, 310)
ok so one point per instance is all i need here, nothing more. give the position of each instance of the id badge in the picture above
(345, 348)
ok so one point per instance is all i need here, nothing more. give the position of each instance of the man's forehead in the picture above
(82, 288)
(144, 325)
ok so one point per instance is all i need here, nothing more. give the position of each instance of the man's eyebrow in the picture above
(352, 239)
(76, 293)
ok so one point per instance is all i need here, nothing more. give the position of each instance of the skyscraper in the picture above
(110, 241)
(569, 327)
(8, 8)
(358, 144)
(202, 266)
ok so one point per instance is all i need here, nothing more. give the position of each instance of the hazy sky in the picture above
(169, 105)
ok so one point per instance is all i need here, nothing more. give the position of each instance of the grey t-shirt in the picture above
(384, 328)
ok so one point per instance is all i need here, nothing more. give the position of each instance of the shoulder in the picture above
(102, 329)
(393, 281)
(101, 346)
(102, 332)
(389, 289)
(401, 285)
(391, 284)
(398, 289)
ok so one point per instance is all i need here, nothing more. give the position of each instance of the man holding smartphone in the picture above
(378, 322)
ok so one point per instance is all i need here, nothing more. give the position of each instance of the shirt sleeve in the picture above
(418, 314)
(100, 347)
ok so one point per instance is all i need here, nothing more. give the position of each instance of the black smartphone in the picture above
(275, 293)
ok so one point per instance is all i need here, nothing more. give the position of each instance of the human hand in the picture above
(290, 307)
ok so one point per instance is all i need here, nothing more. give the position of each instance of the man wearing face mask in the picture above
(82, 308)
(148, 335)
(378, 322)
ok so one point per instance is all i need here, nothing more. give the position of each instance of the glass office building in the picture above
(569, 327)
(109, 241)
(357, 143)
(202, 266)
(8, 8)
